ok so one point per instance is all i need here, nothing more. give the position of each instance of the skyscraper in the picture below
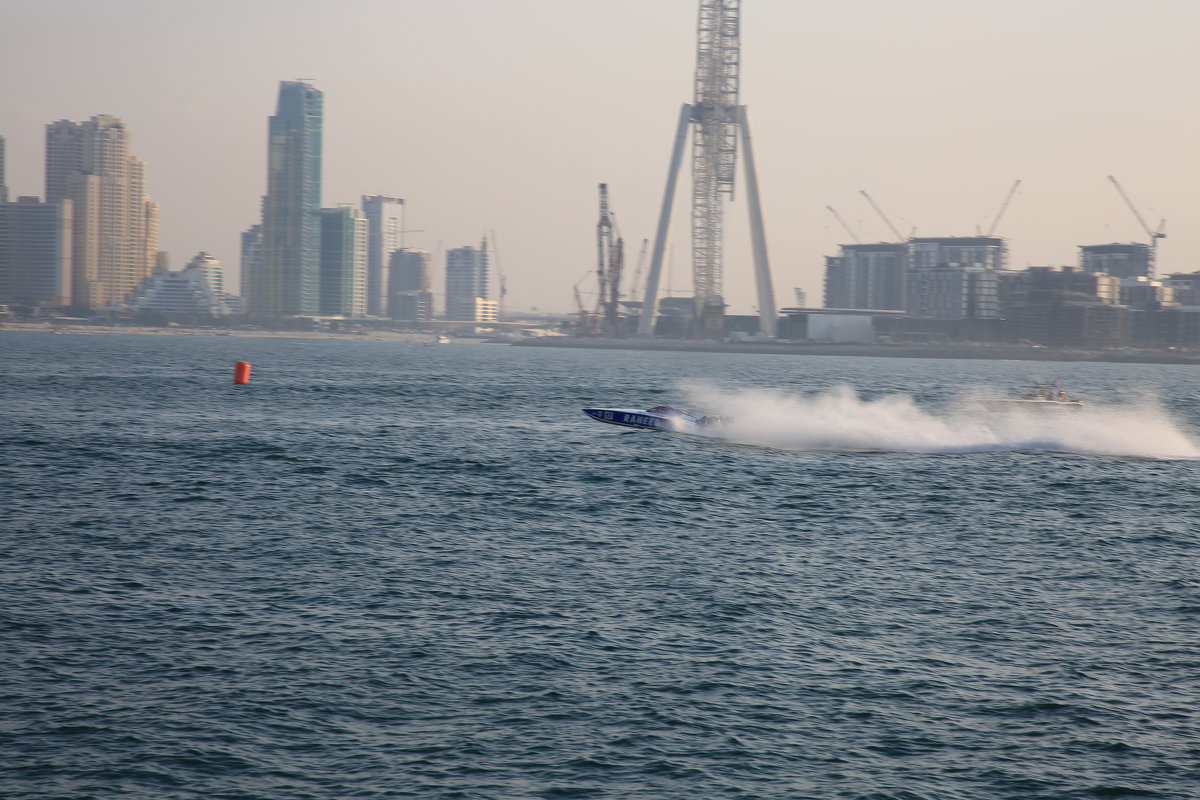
(287, 280)
(343, 262)
(385, 220)
(115, 224)
(467, 274)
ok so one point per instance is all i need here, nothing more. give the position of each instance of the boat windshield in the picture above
(664, 410)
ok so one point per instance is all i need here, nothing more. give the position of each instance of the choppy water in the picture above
(384, 570)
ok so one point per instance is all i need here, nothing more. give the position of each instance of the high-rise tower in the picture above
(718, 124)
(115, 236)
(287, 281)
(385, 220)
(344, 234)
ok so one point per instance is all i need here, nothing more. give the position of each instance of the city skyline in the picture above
(482, 121)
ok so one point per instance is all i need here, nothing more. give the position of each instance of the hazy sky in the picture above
(504, 115)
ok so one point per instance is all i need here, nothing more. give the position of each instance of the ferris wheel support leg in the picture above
(758, 233)
(650, 297)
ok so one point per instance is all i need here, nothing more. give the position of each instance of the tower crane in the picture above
(1154, 235)
(845, 227)
(585, 316)
(882, 216)
(1003, 207)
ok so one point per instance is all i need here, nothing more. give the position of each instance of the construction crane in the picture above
(882, 216)
(845, 227)
(585, 317)
(1003, 207)
(610, 260)
(1154, 235)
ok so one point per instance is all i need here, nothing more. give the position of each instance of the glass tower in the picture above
(288, 279)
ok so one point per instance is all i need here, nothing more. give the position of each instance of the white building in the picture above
(467, 282)
(197, 289)
(385, 235)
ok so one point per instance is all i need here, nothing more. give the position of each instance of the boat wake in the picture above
(839, 420)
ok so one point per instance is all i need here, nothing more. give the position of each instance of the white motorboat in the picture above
(1037, 397)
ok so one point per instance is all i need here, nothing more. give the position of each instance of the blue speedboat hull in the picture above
(658, 418)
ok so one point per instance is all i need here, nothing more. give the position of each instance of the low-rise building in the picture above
(194, 290)
(1185, 287)
(1061, 322)
(1178, 326)
(1144, 293)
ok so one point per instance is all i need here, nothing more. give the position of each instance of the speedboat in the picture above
(655, 418)
(1037, 397)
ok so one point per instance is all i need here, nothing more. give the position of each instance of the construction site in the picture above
(909, 288)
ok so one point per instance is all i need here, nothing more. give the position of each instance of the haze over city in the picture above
(503, 117)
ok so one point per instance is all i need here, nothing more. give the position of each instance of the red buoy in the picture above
(241, 372)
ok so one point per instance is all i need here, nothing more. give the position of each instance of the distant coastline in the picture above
(966, 351)
(969, 351)
(393, 336)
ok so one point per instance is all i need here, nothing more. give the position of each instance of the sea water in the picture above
(387, 570)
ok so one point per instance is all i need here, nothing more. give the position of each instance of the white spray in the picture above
(838, 419)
